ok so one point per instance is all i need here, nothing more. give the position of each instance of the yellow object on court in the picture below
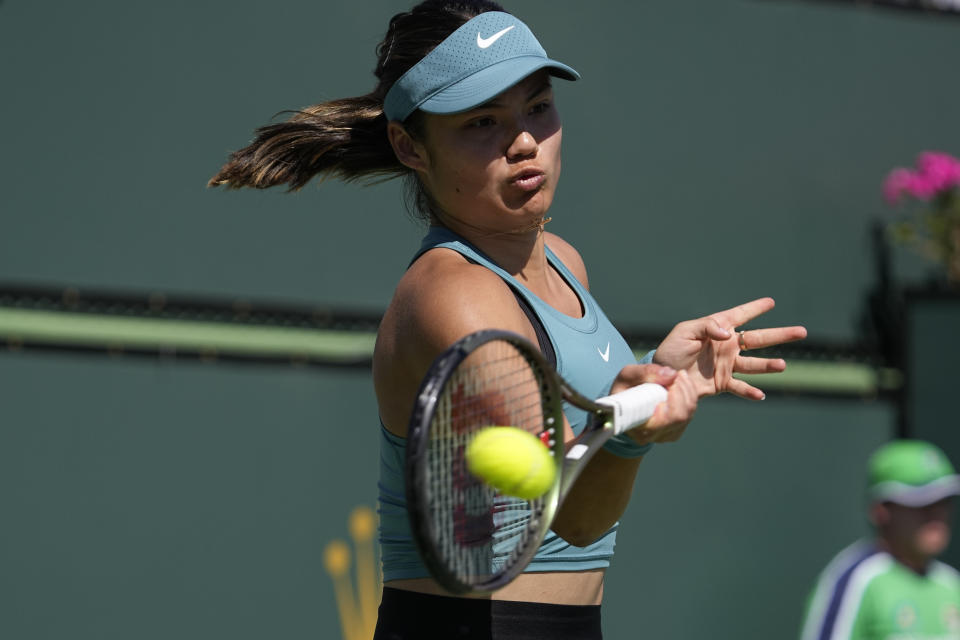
(357, 601)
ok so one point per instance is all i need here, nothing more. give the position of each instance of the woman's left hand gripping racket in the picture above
(470, 536)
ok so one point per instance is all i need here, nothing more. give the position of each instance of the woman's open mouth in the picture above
(529, 180)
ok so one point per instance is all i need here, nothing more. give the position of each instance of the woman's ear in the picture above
(409, 152)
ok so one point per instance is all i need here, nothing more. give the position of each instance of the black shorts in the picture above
(406, 615)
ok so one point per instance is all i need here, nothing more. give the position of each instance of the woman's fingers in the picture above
(671, 417)
(634, 374)
(744, 313)
(708, 328)
(762, 338)
(758, 365)
(744, 390)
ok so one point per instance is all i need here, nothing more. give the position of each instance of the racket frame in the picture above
(418, 442)
(570, 457)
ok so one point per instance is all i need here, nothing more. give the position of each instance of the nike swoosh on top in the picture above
(483, 43)
(605, 354)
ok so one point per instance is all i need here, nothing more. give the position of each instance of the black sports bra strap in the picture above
(546, 347)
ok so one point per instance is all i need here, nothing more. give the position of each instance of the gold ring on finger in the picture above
(742, 340)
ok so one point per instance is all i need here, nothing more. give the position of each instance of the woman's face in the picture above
(495, 168)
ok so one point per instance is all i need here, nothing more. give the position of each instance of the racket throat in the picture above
(578, 453)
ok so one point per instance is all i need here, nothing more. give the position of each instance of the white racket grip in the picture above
(634, 406)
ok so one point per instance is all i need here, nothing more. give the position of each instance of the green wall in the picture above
(145, 499)
(734, 146)
(715, 151)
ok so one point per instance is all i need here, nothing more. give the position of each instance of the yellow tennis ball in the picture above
(512, 461)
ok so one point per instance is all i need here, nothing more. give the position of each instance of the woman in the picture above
(464, 111)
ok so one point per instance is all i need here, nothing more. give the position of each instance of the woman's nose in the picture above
(524, 145)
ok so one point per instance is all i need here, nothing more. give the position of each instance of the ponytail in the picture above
(347, 138)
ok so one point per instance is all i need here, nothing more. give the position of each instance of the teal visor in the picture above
(484, 57)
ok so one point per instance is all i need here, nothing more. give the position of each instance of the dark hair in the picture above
(347, 138)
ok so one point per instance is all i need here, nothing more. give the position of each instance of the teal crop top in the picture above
(590, 353)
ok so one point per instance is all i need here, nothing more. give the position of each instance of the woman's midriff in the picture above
(553, 587)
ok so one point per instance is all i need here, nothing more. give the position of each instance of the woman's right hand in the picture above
(670, 418)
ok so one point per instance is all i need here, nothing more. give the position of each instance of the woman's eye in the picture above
(541, 107)
(482, 122)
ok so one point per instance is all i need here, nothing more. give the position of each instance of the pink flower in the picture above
(921, 187)
(895, 184)
(941, 170)
(936, 172)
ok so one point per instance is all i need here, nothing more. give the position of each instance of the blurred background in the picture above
(188, 422)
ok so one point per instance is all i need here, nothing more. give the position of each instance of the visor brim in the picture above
(488, 83)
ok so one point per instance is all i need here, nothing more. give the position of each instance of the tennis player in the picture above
(893, 586)
(464, 110)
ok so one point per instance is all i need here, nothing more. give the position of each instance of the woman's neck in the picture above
(523, 255)
(520, 252)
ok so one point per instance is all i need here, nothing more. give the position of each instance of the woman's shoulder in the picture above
(442, 270)
(568, 255)
(443, 297)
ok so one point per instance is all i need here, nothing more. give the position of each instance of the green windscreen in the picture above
(713, 151)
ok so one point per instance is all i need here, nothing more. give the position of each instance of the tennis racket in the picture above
(471, 537)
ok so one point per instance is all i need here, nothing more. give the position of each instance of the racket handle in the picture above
(634, 406)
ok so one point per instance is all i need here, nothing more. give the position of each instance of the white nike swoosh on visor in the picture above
(605, 354)
(483, 43)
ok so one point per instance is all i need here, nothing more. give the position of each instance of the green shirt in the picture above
(865, 594)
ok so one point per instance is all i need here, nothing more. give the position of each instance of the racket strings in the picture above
(480, 532)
